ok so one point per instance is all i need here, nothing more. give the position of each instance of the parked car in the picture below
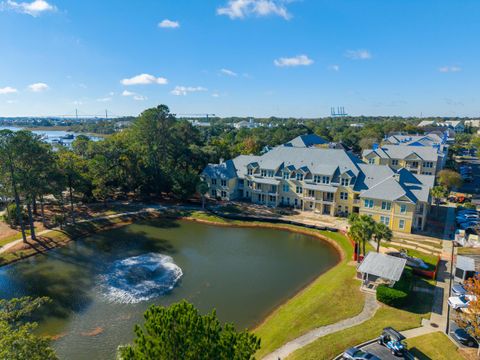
(458, 290)
(464, 337)
(461, 217)
(393, 340)
(357, 354)
(467, 211)
(468, 225)
(459, 302)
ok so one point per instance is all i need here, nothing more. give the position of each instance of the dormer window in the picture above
(394, 162)
(325, 180)
(286, 175)
(263, 172)
(299, 176)
(250, 171)
(317, 178)
(270, 173)
(345, 181)
(371, 161)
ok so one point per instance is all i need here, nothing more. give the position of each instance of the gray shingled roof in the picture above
(307, 141)
(318, 161)
(382, 265)
(404, 151)
(427, 140)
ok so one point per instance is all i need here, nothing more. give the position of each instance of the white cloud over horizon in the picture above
(134, 95)
(8, 90)
(239, 9)
(38, 87)
(144, 79)
(184, 90)
(34, 8)
(168, 24)
(299, 60)
(334, 67)
(360, 54)
(446, 69)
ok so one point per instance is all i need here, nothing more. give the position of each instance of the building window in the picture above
(371, 161)
(311, 193)
(344, 182)
(249, 183)
(271, 198)
(394, 162)
(273, 188)
(214, 181)
(386, 205)
(403, 208)
(428, 164)
(250, 171)
(286, 175)
(343, 195)
(299, 190)
(224, 194)
(325, 180)
(401, 224)
(385, 220)
(368, 203)
(223, 182)
(286, 188)
(299, 176)
(296, 201)
(214, 193)
(263, 172)
(316, 178)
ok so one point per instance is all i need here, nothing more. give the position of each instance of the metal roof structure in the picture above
(382, 265)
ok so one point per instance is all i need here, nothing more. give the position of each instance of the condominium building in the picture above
(423, 160)
(326, 181)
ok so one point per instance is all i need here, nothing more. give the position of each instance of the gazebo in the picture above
(377, 269)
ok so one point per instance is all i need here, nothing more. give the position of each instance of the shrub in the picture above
(11, 215)
(397, 295)
(391, 296)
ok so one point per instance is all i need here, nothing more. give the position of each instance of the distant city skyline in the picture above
(256, 58)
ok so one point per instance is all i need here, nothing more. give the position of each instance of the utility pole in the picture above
(106, 114)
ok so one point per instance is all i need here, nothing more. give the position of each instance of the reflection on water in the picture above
(243, 273)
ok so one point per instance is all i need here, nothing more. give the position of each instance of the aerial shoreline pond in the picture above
(100, 291)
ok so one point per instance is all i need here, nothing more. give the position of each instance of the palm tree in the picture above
(361, 230)
(381, 232)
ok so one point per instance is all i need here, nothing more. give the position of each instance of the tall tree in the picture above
(449, 179)
(361, 230)
(381, 232)
(180, 332)
(438, 192)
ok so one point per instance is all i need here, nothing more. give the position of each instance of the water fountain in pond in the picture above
(140, 278)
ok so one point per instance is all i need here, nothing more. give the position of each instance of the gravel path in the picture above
(367, 313)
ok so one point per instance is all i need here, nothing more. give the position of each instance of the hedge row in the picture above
(397, 295)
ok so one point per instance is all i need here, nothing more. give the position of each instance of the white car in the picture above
(460, 302)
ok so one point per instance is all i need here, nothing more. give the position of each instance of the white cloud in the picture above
(184, 90)
(445, 69)
(360, 54)
(169, 24)
(215, 95)
(300, 60)
(334, 67)
(8, 90)
(38, 87)
(239, 9)
(144, 79)
(134, 96)
(228, 72)
(127, 93)
(33, 8)
(104, 99)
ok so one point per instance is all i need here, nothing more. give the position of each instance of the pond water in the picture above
(53, 136)
(101, 285)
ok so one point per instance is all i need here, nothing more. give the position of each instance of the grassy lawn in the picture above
(433, 346)
(331, 345)
(330, 298)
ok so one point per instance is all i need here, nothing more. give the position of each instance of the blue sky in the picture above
(240, 57)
